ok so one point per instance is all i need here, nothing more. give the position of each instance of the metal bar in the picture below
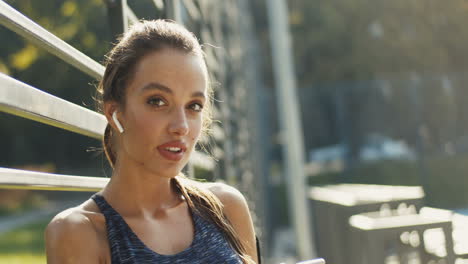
(117, 16)
(290, 126)
(120, 16)
(132, 18)
(27, 28)
(31, 180)
(20, 99)
(159, 4)
(192, 9)
(174, 10)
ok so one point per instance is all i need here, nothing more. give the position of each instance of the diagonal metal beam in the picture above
(174, 10)
(192, 9)
(27, 28)
(159, 4)
(117, 14)
(132, 18)
(31, 180)
(20, 99)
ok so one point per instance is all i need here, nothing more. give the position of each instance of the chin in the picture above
(166, 172)
(166, 169)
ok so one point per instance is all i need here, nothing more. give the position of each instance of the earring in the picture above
(117, 123)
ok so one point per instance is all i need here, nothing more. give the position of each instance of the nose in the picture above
(178, 124)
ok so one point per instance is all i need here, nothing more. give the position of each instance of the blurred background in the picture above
(380, 87)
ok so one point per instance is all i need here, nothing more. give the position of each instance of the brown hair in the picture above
(143, 38)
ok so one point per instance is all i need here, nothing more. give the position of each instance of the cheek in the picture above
(144, 127)
(141, 123)
(195, 129)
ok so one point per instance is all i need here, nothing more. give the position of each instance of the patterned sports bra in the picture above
(208, 246)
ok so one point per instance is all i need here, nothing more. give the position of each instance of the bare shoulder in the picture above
(70, 221)
(235, 205)
(73, 236)
(228, 195)
(237, 212)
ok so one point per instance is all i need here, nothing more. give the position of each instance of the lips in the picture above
(173, 151)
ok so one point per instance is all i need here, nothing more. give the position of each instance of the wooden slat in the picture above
(27, 28)
(21, 179)
(20, 99)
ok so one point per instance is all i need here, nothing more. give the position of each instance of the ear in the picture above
(109, 109)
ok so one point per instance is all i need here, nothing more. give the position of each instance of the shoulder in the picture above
(235, 206)
(230, 197)
(72, 236)
(237, 212)
(68, 222)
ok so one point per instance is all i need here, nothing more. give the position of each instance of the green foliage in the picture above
(24, 258)
(343, 40)
(82, 24)
(399, 67)
(24, 245)
(203, 174)
(18, 201)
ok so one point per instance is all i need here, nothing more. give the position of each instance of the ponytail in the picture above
(108, 146)
(207, 205)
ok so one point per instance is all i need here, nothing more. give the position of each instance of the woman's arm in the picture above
(71, 238)
(238, 214)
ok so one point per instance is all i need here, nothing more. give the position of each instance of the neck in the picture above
(135, 191)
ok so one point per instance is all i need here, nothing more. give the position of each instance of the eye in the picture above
(197, 107)
(155, 101)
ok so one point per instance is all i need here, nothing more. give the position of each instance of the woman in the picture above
(156, 98)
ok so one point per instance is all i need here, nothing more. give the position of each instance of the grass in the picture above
(23, 259)
(24, 245)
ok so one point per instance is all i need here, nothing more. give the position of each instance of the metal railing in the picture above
(20, 99)
(225, 29)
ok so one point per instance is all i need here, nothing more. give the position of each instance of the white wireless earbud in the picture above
(117, 123)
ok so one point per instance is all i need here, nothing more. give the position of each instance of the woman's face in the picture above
(162, 118)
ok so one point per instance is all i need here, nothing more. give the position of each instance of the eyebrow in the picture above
(163, 88)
